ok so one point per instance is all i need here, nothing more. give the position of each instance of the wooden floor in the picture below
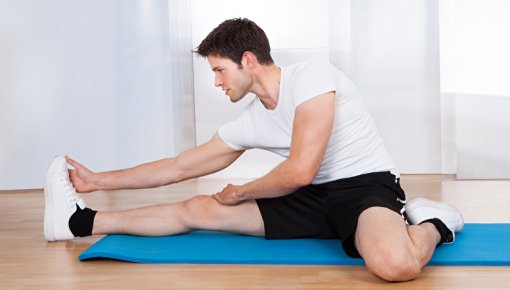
(27, 261)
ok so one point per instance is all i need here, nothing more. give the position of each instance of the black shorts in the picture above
(331, 210)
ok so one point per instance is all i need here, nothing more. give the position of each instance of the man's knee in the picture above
(197, 210)
(392, 265)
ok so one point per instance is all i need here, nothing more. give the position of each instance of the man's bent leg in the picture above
(391, 250)
(199, 212)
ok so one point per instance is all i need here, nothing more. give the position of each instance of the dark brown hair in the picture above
(234, 37)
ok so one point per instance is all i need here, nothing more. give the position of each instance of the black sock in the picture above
(81, 222)
(444, 231)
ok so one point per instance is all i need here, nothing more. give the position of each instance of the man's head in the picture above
(233, 37)
(235, 50)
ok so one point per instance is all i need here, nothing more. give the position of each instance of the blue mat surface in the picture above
(476, 245)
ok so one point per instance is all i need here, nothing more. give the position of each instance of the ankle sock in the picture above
(82, 221)
(444, 231)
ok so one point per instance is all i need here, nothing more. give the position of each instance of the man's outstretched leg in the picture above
(200, 212)
(67, 217)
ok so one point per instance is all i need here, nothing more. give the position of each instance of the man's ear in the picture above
(249, 59)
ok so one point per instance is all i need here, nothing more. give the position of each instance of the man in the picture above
(338, 180)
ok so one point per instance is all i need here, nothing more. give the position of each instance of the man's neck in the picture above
(267, 85)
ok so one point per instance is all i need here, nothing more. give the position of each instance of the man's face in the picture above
(235, 82)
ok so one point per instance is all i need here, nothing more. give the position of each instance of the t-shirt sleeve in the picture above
(235, 133)
(313, 79)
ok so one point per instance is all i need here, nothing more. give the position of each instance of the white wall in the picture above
(181, 77)
(475, 88)
(87, 78)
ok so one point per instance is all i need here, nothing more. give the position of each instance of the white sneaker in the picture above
(422, 209)
(60, 201)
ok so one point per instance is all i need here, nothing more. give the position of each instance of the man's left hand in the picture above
(230, 195)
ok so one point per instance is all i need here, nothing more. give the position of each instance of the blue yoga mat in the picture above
(476, 245)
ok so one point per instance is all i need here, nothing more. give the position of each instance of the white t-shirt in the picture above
(355, 146)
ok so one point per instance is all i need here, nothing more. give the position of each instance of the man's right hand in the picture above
(81, 177)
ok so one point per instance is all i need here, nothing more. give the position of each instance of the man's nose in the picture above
(217, 81)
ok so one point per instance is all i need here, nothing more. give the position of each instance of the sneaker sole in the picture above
(48, 199)
(421, 202)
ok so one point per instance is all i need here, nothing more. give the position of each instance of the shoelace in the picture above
(70, 192)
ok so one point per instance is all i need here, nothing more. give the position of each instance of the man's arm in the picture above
(207, 158)
(312, 127)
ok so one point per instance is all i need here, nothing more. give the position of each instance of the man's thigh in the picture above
(301, 214)
(381, 234)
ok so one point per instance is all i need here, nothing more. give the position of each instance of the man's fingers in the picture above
(224, 200)
(216, 197)
(72, 162)
(220, 198)
(72, 173)
(78, 166)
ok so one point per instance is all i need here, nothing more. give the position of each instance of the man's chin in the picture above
(235, 99)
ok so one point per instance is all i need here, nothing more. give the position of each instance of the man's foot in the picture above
(61, 201)
(422, 209)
